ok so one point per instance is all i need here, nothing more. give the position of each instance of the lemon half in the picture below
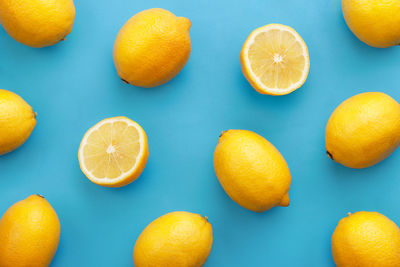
(114, 152)
(275, 60)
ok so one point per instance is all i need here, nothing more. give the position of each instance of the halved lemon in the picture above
(275, 60)
(114, 152)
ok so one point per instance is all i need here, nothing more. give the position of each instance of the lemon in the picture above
(37, 23)
(178, 239)
(275, 60)
(375, 22)
(251, 170)
(367, 239)
(17, 121)
(114, 152)
(363, 130)
(152, 47)
(29, 233)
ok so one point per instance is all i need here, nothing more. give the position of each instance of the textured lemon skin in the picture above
(29, 234)
(252, 171)
(37, 23)
(366, 239)
(363, 130)
(152, 48)
(17, 121)
(375, 22)
(177, 239)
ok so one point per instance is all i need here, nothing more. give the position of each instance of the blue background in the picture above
(73, 85)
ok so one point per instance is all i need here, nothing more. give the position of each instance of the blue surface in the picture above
(74, 85)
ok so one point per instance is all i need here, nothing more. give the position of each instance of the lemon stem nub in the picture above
(285, 201)
(349, 214)
(34, 115)
(329, 155)
(222, 133)
(39, 195)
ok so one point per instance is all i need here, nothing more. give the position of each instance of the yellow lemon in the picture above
(275, 60)
(363, 130)
(366, 239)
(152, 48)
(114, 152)
(251, 170)
(37, 23)
(29, 234)
(178, 239)
(375, 22)
(17, 121)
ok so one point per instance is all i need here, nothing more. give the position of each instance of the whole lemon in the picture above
(37, 23)
(17, 121)
(366, 239)
(251, 170)
(375, 22)
(152, 48)
(29, 233)
(178, 239)
(363, 130)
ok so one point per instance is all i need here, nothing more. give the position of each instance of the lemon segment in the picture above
(275, 60)
(114, 152)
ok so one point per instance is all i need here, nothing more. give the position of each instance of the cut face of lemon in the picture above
(114, 152)
(275, 60)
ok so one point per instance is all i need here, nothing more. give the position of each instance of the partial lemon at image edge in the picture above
(366, 239)
(178, 239)
(17, 121)
(374, 22)
(275, 60)
(114, 152)
(37, 23)
(29, 233)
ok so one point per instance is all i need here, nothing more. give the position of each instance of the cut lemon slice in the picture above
(114, 152)
(275, 60)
